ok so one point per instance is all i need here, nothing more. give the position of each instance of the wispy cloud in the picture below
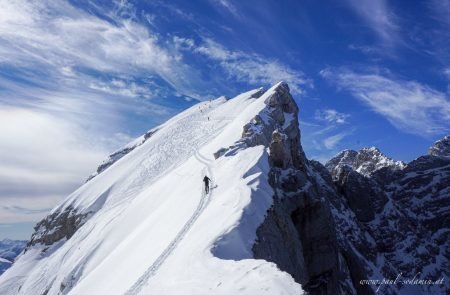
(57, 36)
(43, 157)
(332, 141)
(439, 38)
(379, 17)
(229, 6)
(326, 135)
(441, 10)
(410, 106)
(252, 68)
(68, 82)
(447, 73)
(331, 116)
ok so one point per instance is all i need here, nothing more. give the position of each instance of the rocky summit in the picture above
(440, 148)
(274, 222)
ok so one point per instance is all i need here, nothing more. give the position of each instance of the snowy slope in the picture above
(145, 225)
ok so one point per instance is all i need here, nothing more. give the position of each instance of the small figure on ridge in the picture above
(206, 180)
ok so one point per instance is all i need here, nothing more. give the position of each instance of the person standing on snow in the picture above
(206, 180)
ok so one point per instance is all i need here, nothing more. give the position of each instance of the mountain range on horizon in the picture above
(274, 222)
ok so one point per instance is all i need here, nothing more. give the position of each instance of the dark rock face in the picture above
(56, 226)
(403, 213)
(361, 193)
(298, 233)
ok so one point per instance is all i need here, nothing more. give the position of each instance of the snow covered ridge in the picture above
(273, 223)
(117, 155)
(131, 227)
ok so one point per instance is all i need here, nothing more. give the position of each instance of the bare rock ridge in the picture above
(298, 233)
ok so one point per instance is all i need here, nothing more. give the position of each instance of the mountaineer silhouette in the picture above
(207, 181)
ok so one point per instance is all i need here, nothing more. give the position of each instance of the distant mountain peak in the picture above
(365, 161)
(441, 148)
(9, 250)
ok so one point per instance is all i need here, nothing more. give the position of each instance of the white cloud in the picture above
(55, 36)
(43, 158)
(183, 43)
(229, 7)
(408, 105)
(122, 88)
(69, 80)
(379, 17)
(331, 116)
(447, 73)
(67, 85)
(332, 141)
(253, 68)
(326, 135)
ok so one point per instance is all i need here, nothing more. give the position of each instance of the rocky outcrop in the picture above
(405, 217)
(63, 222)
(361, 193)
(276, 126)
(298, 233)
(57, 226)
(359, 217)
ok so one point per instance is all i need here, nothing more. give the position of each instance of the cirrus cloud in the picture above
(410, 106)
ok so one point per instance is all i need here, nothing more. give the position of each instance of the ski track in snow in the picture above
(151, 271)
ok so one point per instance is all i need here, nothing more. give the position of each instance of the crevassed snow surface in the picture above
(154, 227)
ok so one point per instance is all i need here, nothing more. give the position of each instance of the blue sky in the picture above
(78, 79)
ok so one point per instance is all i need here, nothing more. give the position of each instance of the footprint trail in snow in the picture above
(151, 271)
